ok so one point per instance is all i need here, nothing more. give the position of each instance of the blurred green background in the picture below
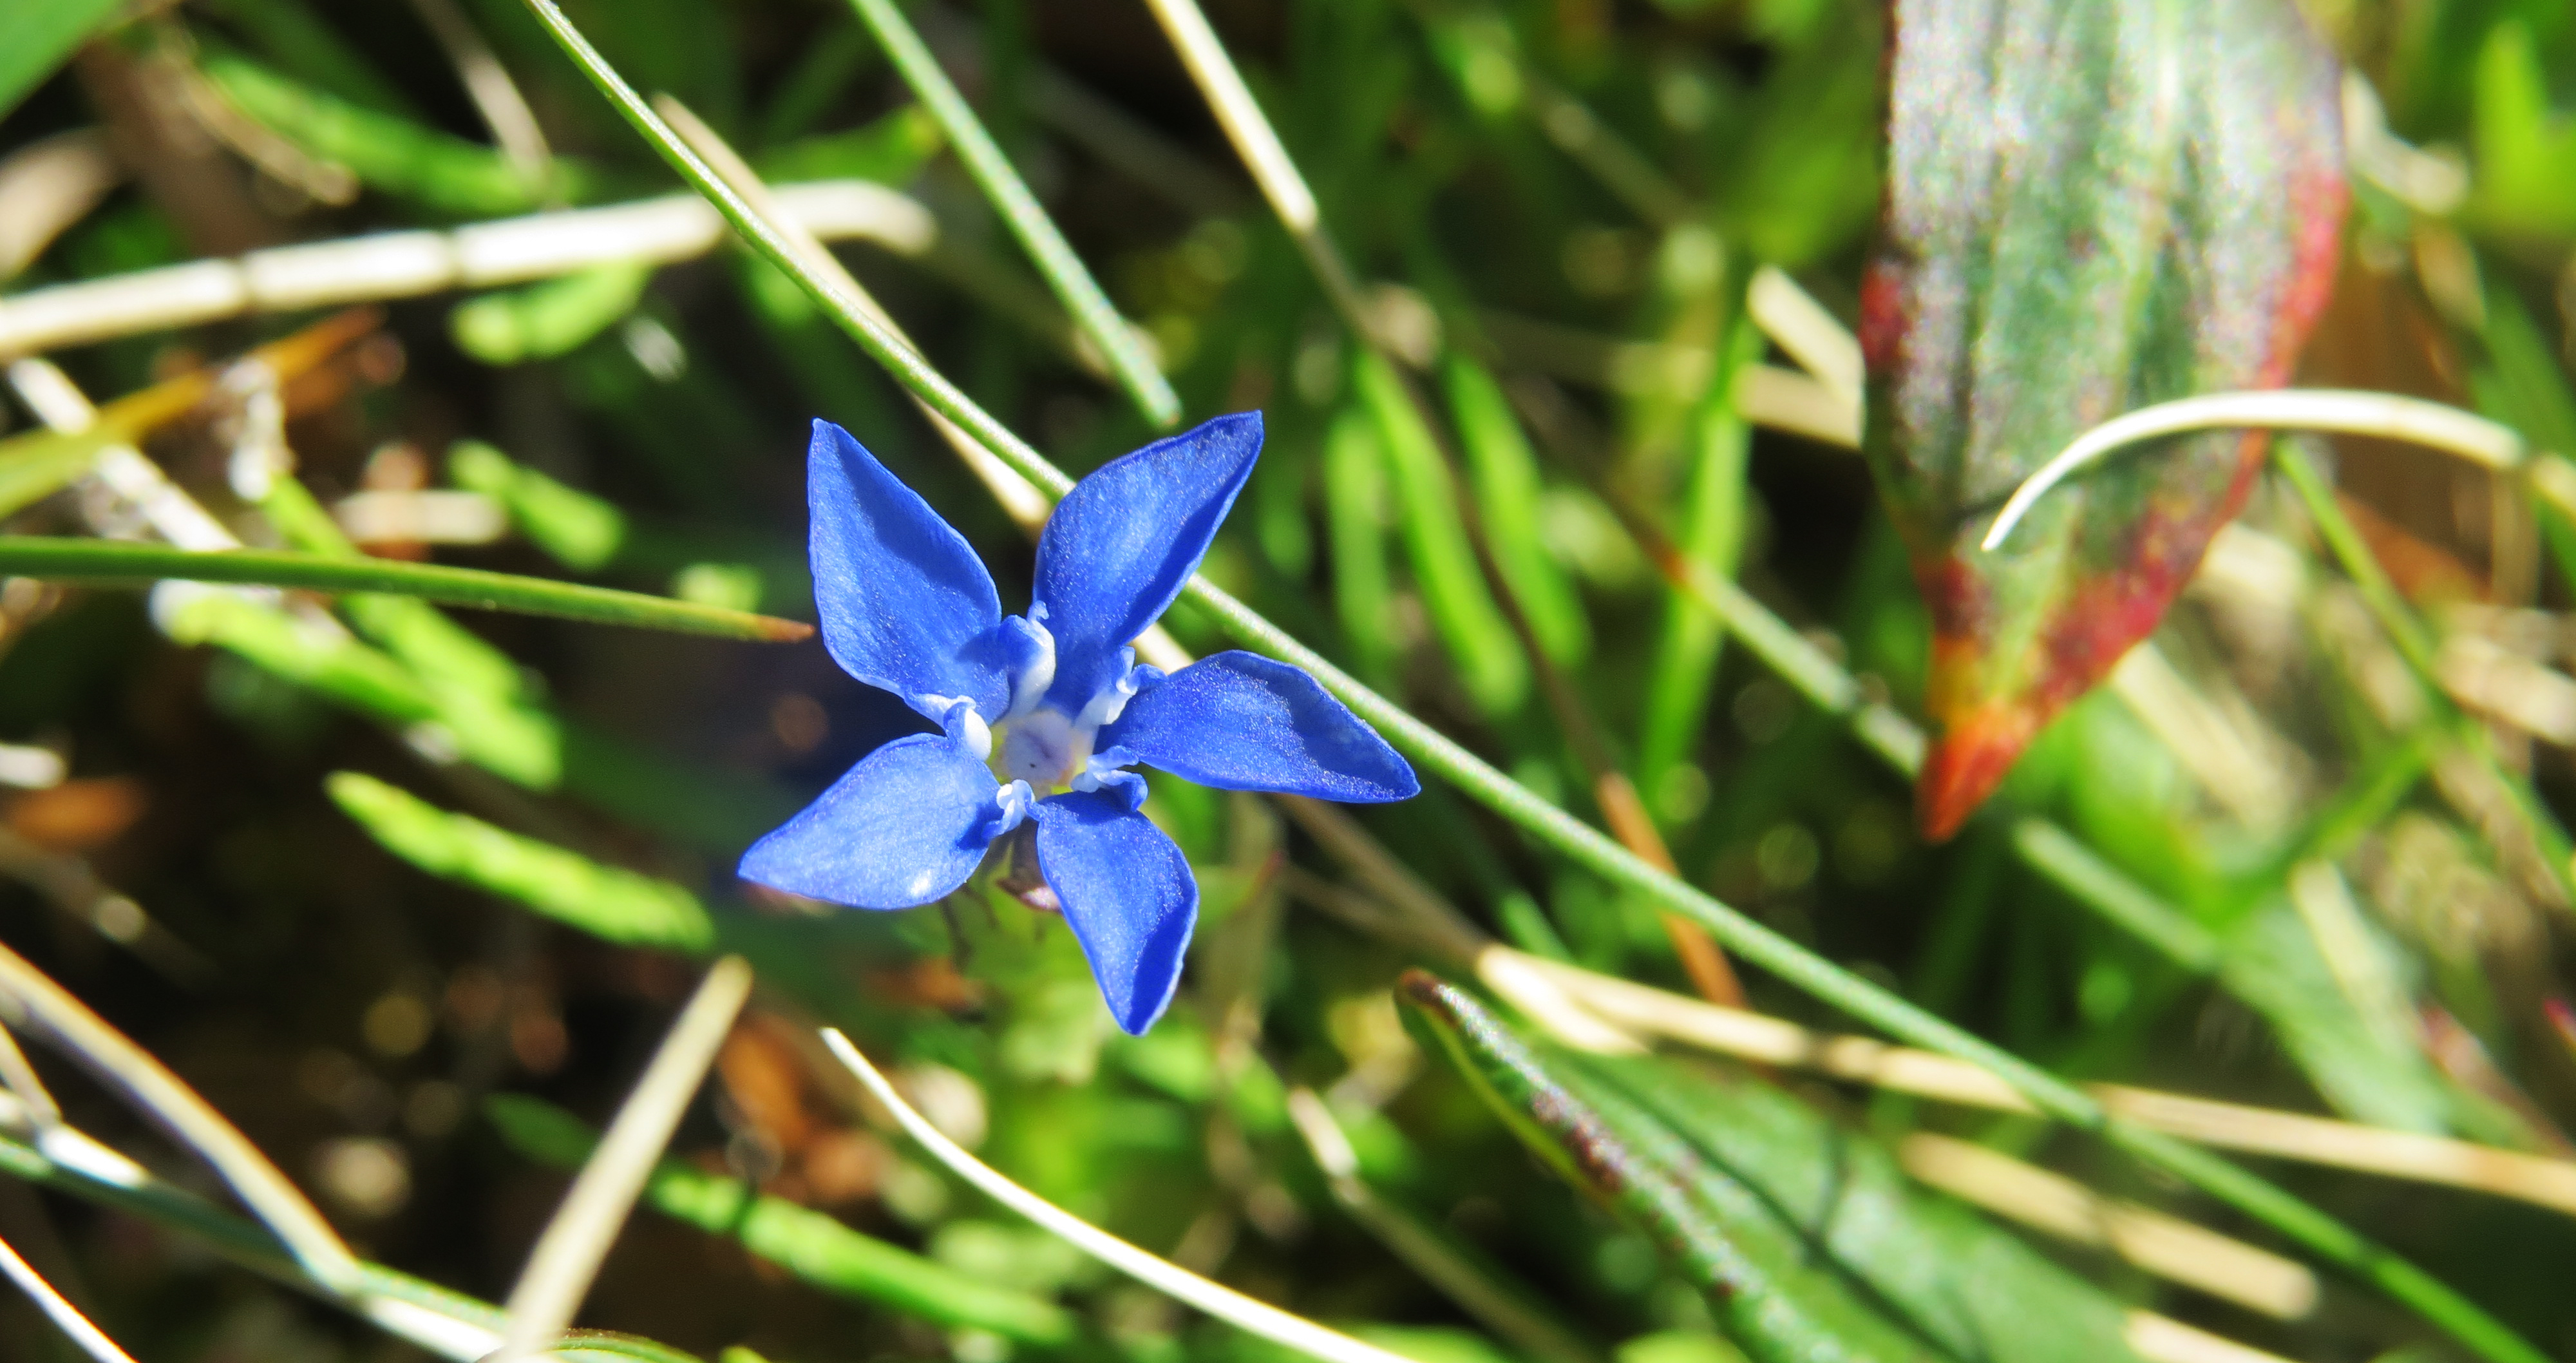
(1556, 210)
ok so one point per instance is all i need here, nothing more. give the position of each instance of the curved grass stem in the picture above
(2385, 415)
(1224, 1303)
(34, 1002)
(65, 1316)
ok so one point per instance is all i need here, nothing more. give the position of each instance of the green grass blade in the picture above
(293, 37)
(812, 1246)
(481, 695)
(1028, 221)
(1505, 474)
(119, 564)
(1355, 523)
(1713, 520)
(882, 343)
(1463, 611)
(577, 530)
(392, 153)
(1445, 758)
(40, 464)
(608, 903)
(549, 318)
(2414, 642)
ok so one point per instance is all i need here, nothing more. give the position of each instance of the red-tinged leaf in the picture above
(2092, 205)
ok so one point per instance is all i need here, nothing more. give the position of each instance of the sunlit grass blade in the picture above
(1586, 846)
(549, 318)
(118, 564)
(1501, 1302)
(446, 1324)
(1019, 208)
(878, 338)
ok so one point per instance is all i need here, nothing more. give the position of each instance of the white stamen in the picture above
(1096, 769)
(1014, 799)
(1112, 700)
(968, 728)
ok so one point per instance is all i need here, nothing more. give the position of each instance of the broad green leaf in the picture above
(1807, 1240)
(606, 902)
(117, 563)
(2090, 206)
(37, 35)
(806, 1243)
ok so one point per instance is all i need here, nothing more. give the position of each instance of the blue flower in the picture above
(1041, 716)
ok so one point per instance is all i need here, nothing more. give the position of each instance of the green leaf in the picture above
(1462, 611)
(577, 530)
(116, 563)
(35, 38)
(807, 1243)
(553, 317)
(2145, 206)
(1807, 1240)
(890, 151)
(391, 153)
(608, 903)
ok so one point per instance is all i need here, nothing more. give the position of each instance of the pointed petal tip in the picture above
(1963, 768)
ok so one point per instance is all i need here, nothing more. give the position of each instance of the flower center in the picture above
(1043, 748)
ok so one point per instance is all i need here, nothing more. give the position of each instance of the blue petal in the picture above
(1239, 721)
(1120, 545)
(906, 825)
(906, 605)
(1127, 892)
